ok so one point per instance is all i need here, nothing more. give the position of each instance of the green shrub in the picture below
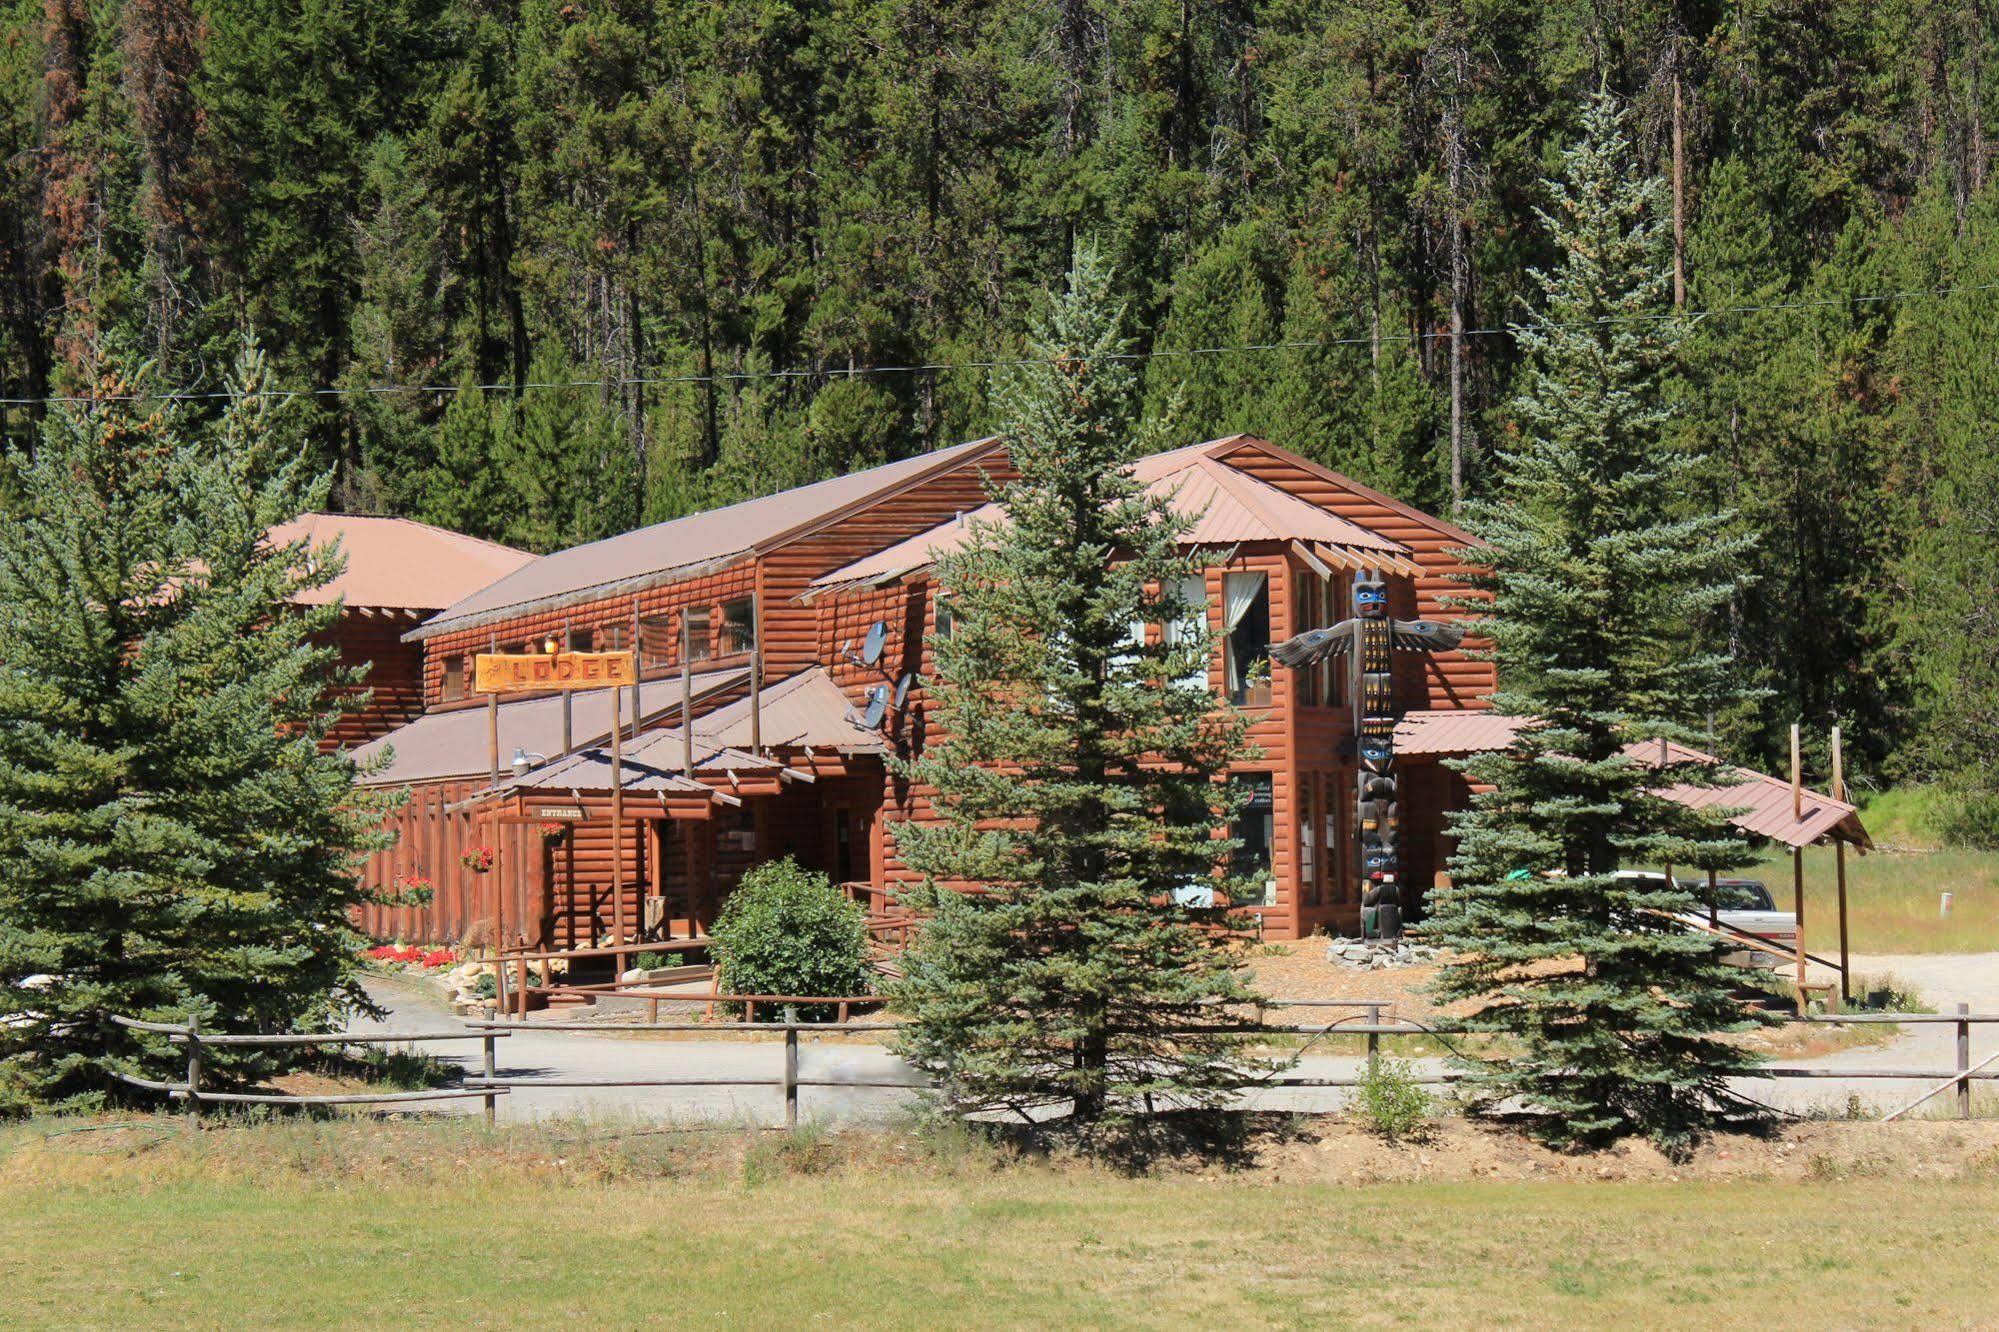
(787, 930)
(1390, 1100)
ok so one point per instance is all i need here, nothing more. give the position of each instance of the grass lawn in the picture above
(1891, 900)
(99, 1235)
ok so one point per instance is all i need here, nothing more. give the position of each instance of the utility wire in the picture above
(1694, 317)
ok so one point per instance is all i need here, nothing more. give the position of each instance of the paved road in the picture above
(1943, 979)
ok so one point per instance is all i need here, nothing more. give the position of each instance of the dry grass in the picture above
(1892, 900)
(364, 1224)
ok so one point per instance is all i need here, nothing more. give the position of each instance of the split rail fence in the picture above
(491, 1082)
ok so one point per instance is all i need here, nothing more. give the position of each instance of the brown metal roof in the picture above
(1764, 801)
(800, 711)
(642, 557)
(455, 743)
(397, 563)
(1226, 507)
(643, 773)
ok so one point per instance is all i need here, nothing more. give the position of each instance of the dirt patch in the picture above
(1457, 1149)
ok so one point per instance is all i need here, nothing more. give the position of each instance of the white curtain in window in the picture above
(1239, 593)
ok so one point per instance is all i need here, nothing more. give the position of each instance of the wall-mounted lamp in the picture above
(524, 762)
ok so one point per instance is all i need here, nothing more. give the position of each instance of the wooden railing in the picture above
(491, 1082)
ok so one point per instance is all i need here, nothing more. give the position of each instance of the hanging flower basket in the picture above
(553, 831)
(478, 859)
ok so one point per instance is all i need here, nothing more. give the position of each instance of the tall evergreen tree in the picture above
(1596, 569)
(1080, 790)
(172, 841)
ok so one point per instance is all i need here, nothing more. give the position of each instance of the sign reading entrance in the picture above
(534, 672)
(571, 812)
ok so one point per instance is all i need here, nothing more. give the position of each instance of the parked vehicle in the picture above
(1746, 906)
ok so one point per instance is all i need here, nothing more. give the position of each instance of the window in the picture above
(1332, 672)
(1255, 829)
(699, 646)
(454, 678)
(655, 644)
(739, 628)
(941, 610)
(1304, 616)
(613, 637)
(1191, 626)
(1246, 620)
(583, 640)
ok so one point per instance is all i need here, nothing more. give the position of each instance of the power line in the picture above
(946, 367)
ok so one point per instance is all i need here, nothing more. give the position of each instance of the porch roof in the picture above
(806, 710)
(1763, 802)
(645, 770)
(1224, 505)
(455, 743)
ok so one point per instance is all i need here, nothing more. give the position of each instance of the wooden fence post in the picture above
(791, 1066)
(1373, 1040)
(492, 1071)
(194, 1063)
(1963, 1061)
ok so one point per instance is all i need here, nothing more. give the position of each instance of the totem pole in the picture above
(1369, 641)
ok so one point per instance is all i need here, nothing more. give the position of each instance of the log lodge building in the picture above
(764, 632)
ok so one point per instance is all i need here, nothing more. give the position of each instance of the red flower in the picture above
(478, 859)
(439, 957)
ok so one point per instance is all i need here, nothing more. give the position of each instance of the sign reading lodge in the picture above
(535, 672)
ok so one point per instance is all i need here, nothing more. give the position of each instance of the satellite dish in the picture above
(877, 706)
(902, 689)
(877, 639)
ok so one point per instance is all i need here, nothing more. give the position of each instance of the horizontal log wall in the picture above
(707, 591)
(394, 680)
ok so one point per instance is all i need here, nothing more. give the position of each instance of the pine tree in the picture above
(1595, 571)
(172, 841)
(1079, 793)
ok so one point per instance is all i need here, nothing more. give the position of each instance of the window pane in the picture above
(1254, 828)
(1194, 593)
(454, 678)
(739, 632)
(613, 637)
(700, 646)
(655, 644)
(1246, 612)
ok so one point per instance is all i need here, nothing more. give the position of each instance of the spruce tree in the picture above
(1081, 793)
(172, 841)
(1596, 570)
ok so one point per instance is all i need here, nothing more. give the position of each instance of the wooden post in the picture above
(617, 815)
(493, 716)
(499, 973)
(1713, 902)
(791, 1066)
(568, 722)
(492, 1071)
(1839, 865)
(1963, 1061)
(636, 669)
(521, 986)
(1798, 900)
(686, 698)
(756, 674)
(1373, 1039)
(1798, 779)
(194, 1065)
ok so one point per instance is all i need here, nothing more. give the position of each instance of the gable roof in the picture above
(397, 563)
(681, 546)
(1762, 802)
(1225, 506)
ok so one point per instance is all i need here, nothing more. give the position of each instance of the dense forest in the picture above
(546, 269)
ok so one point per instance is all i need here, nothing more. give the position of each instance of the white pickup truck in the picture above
(1746, 906)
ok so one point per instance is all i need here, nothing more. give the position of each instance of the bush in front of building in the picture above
(788, 930)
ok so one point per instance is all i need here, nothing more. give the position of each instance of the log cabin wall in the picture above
(371, 638)
(795, 633)
(612, 618)
(1449, 680)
